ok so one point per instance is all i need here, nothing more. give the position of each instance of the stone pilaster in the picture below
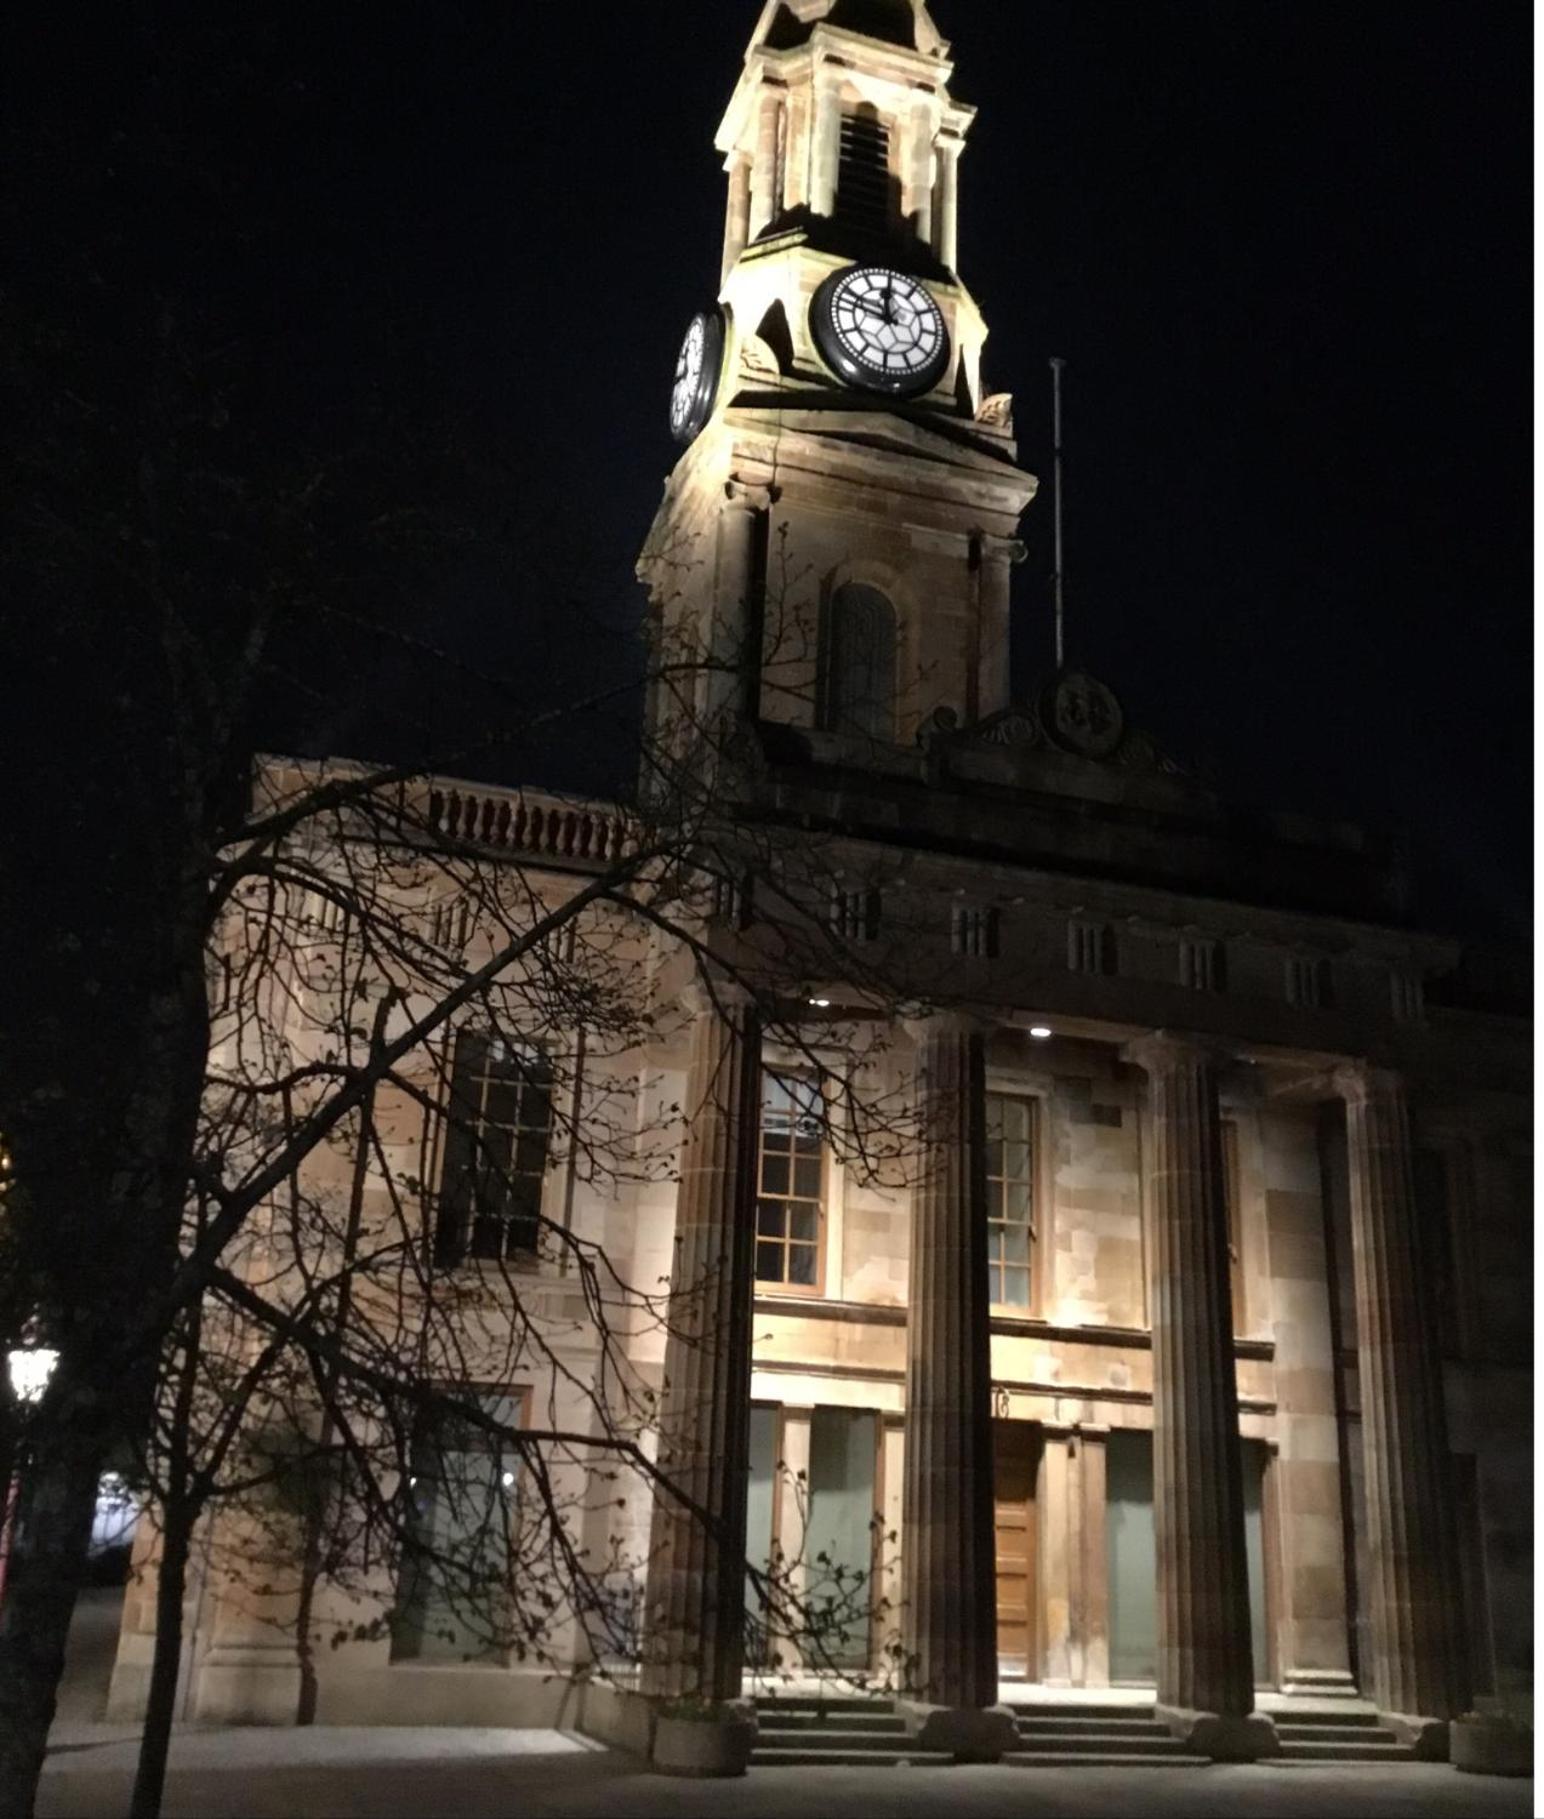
(826, 149)
(949, 1621)
(695, 1598)
(919, 198)
(737, 213)
(730, 664)
(946, 204)
(1205, 1665)
(764, 197)
(1417, 1655)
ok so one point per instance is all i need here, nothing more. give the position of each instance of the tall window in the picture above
(859, 691)
(1010, 1197)
(453, 1587)
(1090, 947)
(788, 1185)
(863, 182)
(495, 1150)
(974, 933)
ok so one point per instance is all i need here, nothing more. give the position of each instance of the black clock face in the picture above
(696, 375)
(881, 330)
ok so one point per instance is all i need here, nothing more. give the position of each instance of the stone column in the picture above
(796, 164)
(826, 152)
(946, 207)
(731, 667)
(1205, 1664)
(1417, 1655)
(737, 216)
(695, 1597)
(250, 1672)
(949, 1627)
(764, 197)
(995, 557)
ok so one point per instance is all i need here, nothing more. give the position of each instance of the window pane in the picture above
(774, 1174)
(1015, 1243)
(801, 1261)
(1017, 1202)
(501, 1102)
(769, 1263)
(771, 1216)
(1015, 1291)
(806, 1178)
(803, 1224)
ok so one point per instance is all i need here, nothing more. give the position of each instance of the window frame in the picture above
(518, 1395)
(762, 1285)
(831, 699)
(454, 1226)
(1034, 1105)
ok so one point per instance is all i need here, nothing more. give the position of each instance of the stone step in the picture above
(1340, 1721)
(823, 1755)
(837, 1737)
(1106, 1742)
(1114, 1723)
(822, 1707)
(1091, 1756)
(1390, 1749)
(1301, 1731)
(1028, 1708)
(887, 1723)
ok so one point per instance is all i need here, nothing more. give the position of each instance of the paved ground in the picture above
(359, 1774)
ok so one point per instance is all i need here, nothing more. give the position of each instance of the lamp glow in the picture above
(821, 1004)
(1041, 1033)
(30, 1371)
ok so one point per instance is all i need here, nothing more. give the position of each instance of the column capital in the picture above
(1360, 1082)
(924, 1025)
(750, 496)
(721, 996)
(1167, 1051)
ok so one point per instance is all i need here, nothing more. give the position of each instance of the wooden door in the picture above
(1017, 1592)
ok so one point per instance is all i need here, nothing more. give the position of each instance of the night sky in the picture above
(1282, 247)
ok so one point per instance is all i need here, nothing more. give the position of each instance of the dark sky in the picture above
(1283, 247)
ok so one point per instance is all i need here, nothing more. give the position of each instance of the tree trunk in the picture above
(47, 1567)
(160, 1708)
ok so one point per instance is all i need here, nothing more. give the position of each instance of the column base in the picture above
(712, 1745)
(247, 1685)
(1319, 1683)
(1483, 1743)
(1231, 1739)
(1428, 1737)
(968, 1733)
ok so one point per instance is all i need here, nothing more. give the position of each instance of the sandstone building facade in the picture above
(1191, 1351)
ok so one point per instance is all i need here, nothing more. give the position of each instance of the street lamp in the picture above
(30, 1369)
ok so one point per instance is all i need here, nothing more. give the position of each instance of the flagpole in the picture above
(1056, 438)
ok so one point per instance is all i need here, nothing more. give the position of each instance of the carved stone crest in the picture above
(1083, 716)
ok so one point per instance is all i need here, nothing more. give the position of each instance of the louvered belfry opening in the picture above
(863, 182)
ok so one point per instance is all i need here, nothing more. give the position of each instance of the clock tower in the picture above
(835, 541)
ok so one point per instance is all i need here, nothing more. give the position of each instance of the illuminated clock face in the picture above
(696, 375)
(881, 330)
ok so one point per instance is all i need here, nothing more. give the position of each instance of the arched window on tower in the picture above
(867, 197)
(858, 674)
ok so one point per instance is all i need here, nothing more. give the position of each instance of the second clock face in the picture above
(881, 329)
(696, 375)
